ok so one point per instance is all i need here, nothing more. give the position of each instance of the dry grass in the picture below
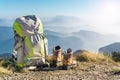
(87, 56)
(5, 71)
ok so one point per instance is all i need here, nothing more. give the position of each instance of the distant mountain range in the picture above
(5, 55)
(114, 47)
(61, 23)
(93, 41)
(64, 41)
(85, 40)
(6, 40)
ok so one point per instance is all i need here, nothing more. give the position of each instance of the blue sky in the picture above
(11, 8)
(102, 15)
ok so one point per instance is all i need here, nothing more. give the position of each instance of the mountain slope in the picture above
(6, 40)
(5, 33)
(93, 40)
(114, 47)
(65, 42)
(86, 40)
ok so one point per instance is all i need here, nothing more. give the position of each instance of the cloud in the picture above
(104, 24)
(6, 22)
(65, 24)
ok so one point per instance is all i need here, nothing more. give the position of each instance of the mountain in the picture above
(65, 41)
(93, 40)
(6, 33)
(79, 51)
(78, 28)
(54, 38)
(53, 33)
(63, 23)
(86, 40)
(114, 47)
(5, 55)
(6, 40)
(83, 39)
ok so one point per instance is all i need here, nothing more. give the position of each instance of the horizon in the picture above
(100, 16)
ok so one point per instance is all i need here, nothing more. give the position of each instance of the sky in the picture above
(102, 15)
(11, 8)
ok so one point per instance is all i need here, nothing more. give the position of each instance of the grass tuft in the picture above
(87, 56)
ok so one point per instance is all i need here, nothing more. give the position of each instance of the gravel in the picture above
(84, 71)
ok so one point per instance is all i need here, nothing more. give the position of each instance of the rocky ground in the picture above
(84, 71)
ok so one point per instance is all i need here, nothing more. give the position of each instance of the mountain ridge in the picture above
(85, 40)
(114, 47)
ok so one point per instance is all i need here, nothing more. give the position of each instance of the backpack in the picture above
(30, 46)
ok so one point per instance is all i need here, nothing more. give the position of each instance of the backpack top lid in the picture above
(30, 24)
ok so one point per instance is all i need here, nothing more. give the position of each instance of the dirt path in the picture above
(84, 71)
